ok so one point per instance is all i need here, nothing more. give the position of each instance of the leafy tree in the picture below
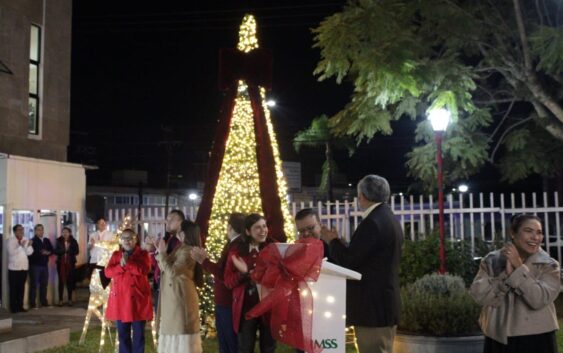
(318, 136)
(496, 65)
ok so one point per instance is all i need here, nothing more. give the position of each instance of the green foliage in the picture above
(407, 57)
(421, 257)
(438, 305)
(464, 150)
(547, 45)
(319, 136)
(542, 152)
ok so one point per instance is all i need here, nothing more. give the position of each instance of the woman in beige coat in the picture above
(178, 309)
(517, 286)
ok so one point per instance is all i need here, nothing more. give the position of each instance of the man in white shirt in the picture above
(18, 264)
(101, 234)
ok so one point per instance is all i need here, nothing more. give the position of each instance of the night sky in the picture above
(144, 77)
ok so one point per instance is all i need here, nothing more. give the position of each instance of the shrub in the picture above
(421, 257)
(438, 305)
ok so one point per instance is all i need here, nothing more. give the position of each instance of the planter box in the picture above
(428, 344)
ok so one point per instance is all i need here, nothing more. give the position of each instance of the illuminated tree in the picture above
(496, 65)
(242, 170)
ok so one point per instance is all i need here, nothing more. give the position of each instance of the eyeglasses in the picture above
(126, 239)
(307, 229)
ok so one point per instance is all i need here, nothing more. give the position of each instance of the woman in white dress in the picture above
(178, 309)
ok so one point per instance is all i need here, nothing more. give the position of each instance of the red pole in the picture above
(438, 136)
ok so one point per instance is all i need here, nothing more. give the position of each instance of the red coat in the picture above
(237, 282)
(130, 298)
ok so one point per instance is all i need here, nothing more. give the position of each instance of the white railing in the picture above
(467, 216)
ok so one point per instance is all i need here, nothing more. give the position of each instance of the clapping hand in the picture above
(161, 246)
(199, 254)
(513, 259)
(240, 264)
(328, 234)
(124, 258)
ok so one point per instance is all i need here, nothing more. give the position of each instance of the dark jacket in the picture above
(326, 252)
(72, 250)
(38, 259)
(375, 252)
(223, 295)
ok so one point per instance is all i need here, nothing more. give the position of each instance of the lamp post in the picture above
(440, 118)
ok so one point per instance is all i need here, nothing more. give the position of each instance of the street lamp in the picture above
(440, 118)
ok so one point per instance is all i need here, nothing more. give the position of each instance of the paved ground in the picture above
(48, 319)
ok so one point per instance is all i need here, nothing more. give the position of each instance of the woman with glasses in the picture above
(517, 286)
(130, 301)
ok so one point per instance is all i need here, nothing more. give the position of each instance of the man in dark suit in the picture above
(372, 304)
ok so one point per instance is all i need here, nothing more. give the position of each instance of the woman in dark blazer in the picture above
(66, 250)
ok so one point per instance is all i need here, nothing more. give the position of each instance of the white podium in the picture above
(329, 304)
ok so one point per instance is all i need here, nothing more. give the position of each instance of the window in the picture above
(34, 75)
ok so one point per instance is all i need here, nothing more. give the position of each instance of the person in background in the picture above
(517, 286)
(38, 270)
(178, 309)
(66, 250)
(129, 303)
(101, 234)
(173, 228)
(240, 265)
(373, 304)
(18, 265)
(223, 296)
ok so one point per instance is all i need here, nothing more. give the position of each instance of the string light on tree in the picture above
(247, 39)
(238, 184)
(288, 227)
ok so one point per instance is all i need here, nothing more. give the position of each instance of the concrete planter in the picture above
(427, 344)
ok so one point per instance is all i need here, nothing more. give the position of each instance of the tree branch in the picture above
(495, 101)
(503, 119)
(539, 11)
(492, 158)
(549, 123)
(532, 80)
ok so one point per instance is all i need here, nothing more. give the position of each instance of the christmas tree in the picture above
(245, 173)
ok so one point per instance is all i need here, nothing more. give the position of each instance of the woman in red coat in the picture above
(130, 301)
(240, 265)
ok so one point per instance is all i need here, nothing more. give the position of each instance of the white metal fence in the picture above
(467, 216)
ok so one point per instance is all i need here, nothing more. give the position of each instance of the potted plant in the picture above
(438, 316)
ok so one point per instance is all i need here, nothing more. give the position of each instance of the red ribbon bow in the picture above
(285, 292)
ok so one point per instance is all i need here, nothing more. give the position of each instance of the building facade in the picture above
(37, 185)
(35, 44)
